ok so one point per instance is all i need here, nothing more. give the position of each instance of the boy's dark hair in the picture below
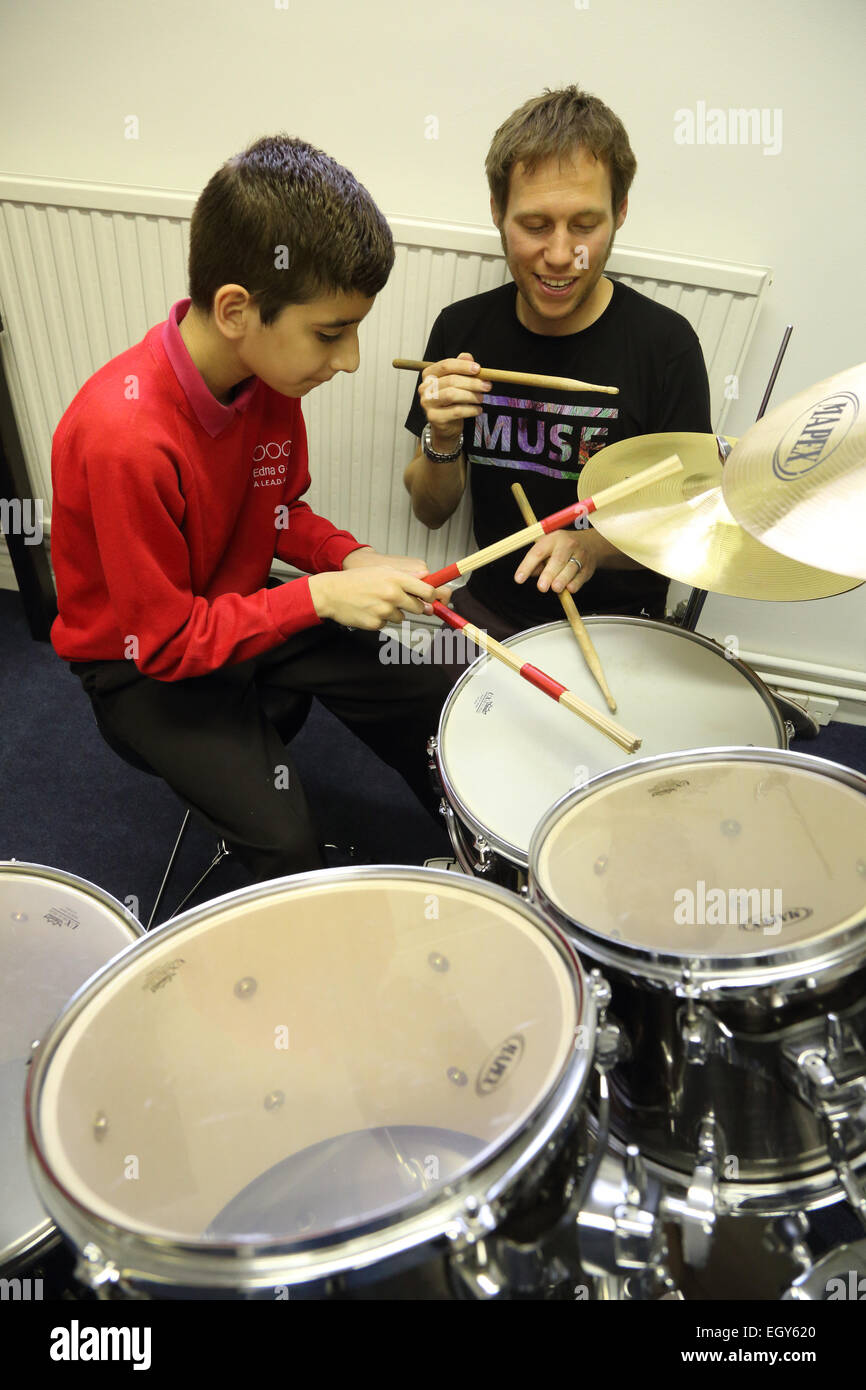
(554, 125)
(289, 224)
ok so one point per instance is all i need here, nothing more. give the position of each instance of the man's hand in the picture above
(373, 590)
(550, 559)
(450, 392)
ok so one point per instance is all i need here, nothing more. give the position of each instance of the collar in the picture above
(211, 415)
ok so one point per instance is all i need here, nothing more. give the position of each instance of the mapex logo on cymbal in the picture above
(499, 1065)
(815, 434)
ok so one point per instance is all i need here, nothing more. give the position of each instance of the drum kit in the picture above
(637, 1014)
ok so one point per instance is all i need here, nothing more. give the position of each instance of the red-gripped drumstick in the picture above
(555, 522)
(564, 696)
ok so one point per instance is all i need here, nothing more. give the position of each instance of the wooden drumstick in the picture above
(553, 383)
(630, 742)
(554, 522)
(590, 655)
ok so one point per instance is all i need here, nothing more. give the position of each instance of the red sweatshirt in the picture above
(168, 511)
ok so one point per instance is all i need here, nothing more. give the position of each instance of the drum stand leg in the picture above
(222, 853)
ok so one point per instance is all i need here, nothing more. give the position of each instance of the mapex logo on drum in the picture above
(815, 435)
(499, 1065)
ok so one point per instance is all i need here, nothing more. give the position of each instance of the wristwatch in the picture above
(430, 453)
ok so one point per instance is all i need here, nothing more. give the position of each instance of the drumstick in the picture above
(553, 383)
(590, 655)
(630, 742)
(554, 522)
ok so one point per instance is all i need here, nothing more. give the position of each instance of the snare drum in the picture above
(55, 931)
(723, 895)
(504, 754)
(311, 1083)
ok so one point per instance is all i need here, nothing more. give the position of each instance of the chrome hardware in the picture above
(696, 1213)
(831, 1079)
(702, 1032)
(95, 1271)
(484, 862)
(618, 1224)
(787, 1236)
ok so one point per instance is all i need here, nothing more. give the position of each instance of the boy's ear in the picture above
(495, 214)
(231, 310)
(621, 215)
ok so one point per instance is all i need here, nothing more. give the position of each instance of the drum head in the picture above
(303, 1063)
(727, 858)
(507, 754)
(55, 931)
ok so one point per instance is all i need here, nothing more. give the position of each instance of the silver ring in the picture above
(572, 561)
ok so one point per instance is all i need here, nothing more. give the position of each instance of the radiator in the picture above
(85, 270)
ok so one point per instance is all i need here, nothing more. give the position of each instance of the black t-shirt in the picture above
(542, 438)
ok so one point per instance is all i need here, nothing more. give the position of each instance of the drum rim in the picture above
(712, 976)
(517, 856)
(450, 1216)
(62, 876)
(43, 1235)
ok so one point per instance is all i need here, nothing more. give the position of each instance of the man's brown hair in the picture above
(553, 126)
(289, 224)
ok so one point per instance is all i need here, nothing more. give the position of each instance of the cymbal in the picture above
(797, 479)
(682, 528)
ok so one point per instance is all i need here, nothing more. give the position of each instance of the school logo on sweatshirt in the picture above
(270, 463)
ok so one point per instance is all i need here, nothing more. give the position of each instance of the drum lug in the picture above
(830, 1078)
(97, 1273)
(696, 1214)
(787, 1236)
(831, 1081)
(611, 1043)
(484, 862)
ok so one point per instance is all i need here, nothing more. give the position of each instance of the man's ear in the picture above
(621, 215)
(494, 214)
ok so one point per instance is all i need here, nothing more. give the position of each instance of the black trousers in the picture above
(210, 737)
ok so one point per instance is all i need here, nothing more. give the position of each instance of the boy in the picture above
(178, 471)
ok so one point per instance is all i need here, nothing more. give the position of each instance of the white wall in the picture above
(204, 77)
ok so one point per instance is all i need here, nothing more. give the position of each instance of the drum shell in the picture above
(535, 1165)
(660, 1099)
(718, 1037)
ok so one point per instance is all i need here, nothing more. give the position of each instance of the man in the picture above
(559, 171)
(178, 471)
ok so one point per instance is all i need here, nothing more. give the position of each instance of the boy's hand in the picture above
(450, 392)
(373, 590)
